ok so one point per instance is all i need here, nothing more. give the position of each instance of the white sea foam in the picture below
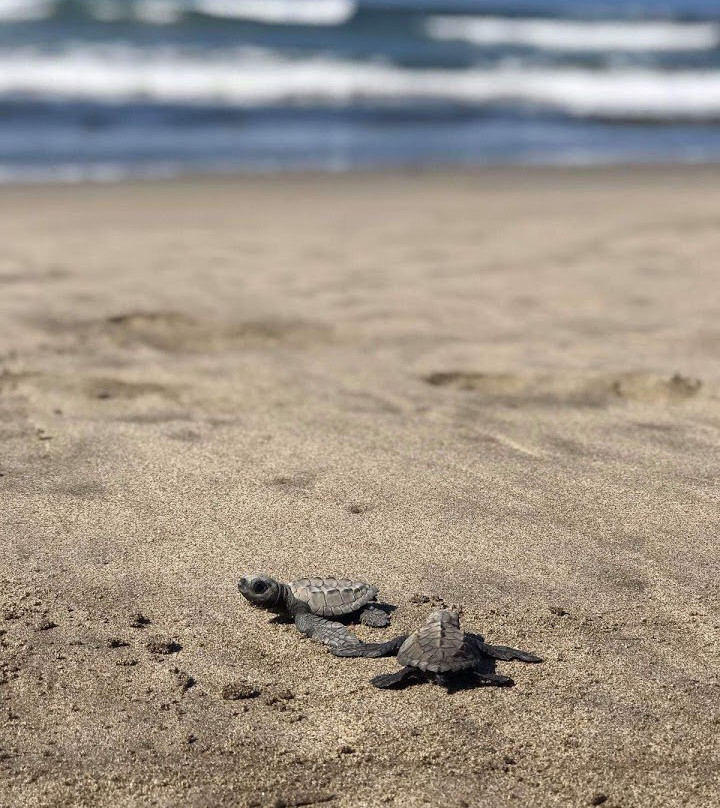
(25, 10)
(571, 35)
(107, 10)
(297, 12)
(71, 173)
(168, 12)
(155, 12)
(158, 12)
(252, 77)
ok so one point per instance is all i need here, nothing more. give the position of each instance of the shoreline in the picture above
(440, 170)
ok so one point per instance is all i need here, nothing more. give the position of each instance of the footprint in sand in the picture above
(91, 387)
(108, 388)
(178, 332)
(12, 272)
(515, 389)
(293, 483)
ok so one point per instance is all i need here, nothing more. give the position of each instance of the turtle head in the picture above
(262, 592)
(446, 617)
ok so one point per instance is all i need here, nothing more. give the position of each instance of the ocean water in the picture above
(111, 88)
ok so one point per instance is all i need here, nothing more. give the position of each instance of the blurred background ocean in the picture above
(112, 88)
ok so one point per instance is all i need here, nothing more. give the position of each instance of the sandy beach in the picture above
(499, 389)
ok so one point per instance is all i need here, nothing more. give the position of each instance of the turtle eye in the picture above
(259, 587)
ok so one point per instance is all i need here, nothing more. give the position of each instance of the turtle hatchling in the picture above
(440, 651)
(312, 603)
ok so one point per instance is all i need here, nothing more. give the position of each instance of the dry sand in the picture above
(501, 389)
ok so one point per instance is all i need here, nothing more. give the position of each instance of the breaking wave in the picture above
(168, 12)
(25, 10)
(287, 12)
(254, 77)
(577, 36)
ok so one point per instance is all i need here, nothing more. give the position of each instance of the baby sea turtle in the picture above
(441, 652)
(310, 602)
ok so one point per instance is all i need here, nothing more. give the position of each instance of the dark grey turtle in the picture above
(441, 652)
(310, 602)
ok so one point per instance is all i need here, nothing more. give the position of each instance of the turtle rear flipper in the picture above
(486, 678)
(375, 617)
(442, 679)
(371, 650)
(335, 635)
(397, 680)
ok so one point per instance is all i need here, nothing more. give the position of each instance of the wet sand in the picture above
(499, 389)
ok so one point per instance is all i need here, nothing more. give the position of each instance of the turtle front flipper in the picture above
(371, 650)
(397, 680)
(506, 653)
(335, 635)
(375, 617)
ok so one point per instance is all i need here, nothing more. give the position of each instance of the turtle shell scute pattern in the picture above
(436, 648)
(332, 597)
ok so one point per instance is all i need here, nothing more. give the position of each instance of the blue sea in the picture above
(106, 89)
